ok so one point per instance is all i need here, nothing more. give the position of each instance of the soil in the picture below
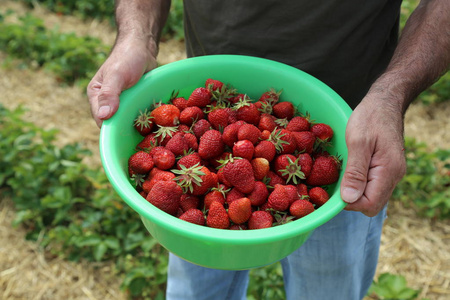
(415, 248)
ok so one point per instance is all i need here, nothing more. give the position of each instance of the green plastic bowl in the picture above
(210, 247)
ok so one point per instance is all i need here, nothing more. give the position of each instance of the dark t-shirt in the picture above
(344, 43)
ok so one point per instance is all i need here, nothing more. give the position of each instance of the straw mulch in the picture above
(415, 248)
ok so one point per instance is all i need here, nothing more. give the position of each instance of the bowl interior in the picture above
(249, 75)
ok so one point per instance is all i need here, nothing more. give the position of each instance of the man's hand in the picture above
(376, 161)
(128, 61)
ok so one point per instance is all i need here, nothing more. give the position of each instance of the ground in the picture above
(413, 247)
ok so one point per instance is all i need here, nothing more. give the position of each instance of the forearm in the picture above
(141, 20)
(421, 57)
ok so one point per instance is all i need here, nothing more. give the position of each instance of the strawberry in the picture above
(261, 167)
(305, 162)
(288, 167)
(318, 196)
(229, 135)
(267, 122)
(325, 170)
(243, 149)
(190, 114)
(304, 141)
(200, 97)
(166, 196)
(214, 195)
(292, 192)
(211, 144)
(240, 210)
(164, 158)
(238, 227)
(148, 142)
(279, 198)
(222, 179)
(239, 173)
(219, 117)
(249, 132)
(155, 176)
(188, 201)
(179, 102)
(192, 141)
(141, 162)
(265, 135)
(143, 123)
(189, 160)
(298, 124)
(265, 149)
(302, 190)
(233, 194)
(194, 216)
(166, 115)
(217, 216)
(260, 219)
(164, 133)
(178, 144)
(247, 111)
(289, 144)
(283, 110)
(259, 194)
(213, 84)
(273, 179)
(200, 127)
(322, 131)
(207, 181)
(301, 208)
(270, 96)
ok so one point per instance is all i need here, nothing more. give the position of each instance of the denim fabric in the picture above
(337, 262)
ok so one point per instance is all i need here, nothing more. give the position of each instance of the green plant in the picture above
(266, 283)
(427, 181)
(438, 92)
(392, 287)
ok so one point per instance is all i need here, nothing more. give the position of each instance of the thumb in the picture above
(108, 96)
(355, 176)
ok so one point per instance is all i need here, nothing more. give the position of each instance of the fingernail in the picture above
(350, 195)
(103, 112)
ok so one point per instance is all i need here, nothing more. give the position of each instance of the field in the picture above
(413, 246)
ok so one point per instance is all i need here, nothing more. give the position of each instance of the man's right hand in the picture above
(128, 61)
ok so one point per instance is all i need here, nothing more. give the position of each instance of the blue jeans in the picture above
(338, 262)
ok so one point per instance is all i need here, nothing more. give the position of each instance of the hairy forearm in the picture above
(141, 20)
(422, 55)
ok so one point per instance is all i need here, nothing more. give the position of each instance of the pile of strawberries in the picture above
(219, 159)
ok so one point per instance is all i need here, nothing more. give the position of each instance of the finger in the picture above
(108, 96)
(355, 175)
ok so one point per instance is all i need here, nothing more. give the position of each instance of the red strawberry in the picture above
(233, 195)
(211, 144)
(143, 123)
(270, 96)
(166, 115)
(191, 114)
(200, 127)
(207, 182)
(200, 97)
(279, 198)
(178, 144)
(301, 208)
(189, 160)
(229, 135)
(222, 179)
(240, 210)
(164, 158)
(148, 142)
(318, 196)
(261, 167)
(213, 84)
(213, 195)
(243, 149)
(192, 141)
(219, 117)
(238, 227)
(274, 179)
(302, 190)
(267, 122)
(259, 194)
(288, 167)
(292, 192)
(265, 149)
(283, 110)
(298, 124)
(260, 219)
(289, 144)
(194, 216)
(141, 162)
(265, 135)
(249, 132)
(217, 216)
(239, 173)
(155, 176)
(305, 162)
(325, 170)
(166, 196)
(304, 141)
(322, 131)
(179, 102)
(188, 201)
(247, 111)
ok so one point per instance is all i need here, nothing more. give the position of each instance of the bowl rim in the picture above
(171, 223)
